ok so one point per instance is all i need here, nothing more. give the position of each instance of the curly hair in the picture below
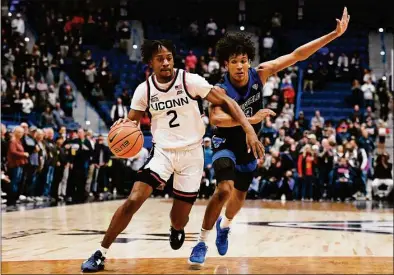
(234, 44)
(150, 47)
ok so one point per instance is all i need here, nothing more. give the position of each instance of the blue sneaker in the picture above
(222, 238)
(94, 263)
(197, 258)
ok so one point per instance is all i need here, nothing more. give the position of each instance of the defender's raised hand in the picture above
(343, 23)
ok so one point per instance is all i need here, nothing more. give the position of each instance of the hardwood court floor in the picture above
(267, 237)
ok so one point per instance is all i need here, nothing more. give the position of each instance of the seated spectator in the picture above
(296, 132)
(366, 142)
(280, 140)
(59, 115)
(47, 118)
(383, 131)
(371, 129)
(280, 120)
(268, 89)
(274, 104)
(213, 65)
(271, 177)
(382, 184)
(317, 120)
(368, 114)
(303, 121)
(343, 135)
(97, 92)
(267, 144)
(288, 111)
(268, 131)
(343, 180)
(288, 94)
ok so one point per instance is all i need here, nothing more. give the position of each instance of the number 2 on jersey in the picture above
(171, 123)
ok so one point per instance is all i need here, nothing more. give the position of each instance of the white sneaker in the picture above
(22, 198)
(3, 201)
(283, 197)
(39, 199)
(30, 199)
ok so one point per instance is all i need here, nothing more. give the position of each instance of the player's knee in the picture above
(130, 206)
(240, 195)
(224, 190)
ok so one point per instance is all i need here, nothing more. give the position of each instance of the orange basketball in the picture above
(125, 140)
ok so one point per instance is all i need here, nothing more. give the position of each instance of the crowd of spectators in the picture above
(33, 87)
(307, 160)
(65, 165)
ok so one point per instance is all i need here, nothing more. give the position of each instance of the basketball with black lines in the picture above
(125, 140)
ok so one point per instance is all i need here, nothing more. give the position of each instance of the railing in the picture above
(19, 117)
(299, 92)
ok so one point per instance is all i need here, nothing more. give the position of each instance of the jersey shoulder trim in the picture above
(147, 93)
(185, 87)
(255, 75)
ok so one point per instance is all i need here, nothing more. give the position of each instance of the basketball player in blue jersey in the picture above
(233, 164)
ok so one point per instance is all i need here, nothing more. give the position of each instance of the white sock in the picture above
(203, 235)
(103, 250)
(225, 222)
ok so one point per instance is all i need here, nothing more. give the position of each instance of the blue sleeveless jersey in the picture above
(250, 99)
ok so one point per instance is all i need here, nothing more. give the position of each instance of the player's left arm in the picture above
(269, 68)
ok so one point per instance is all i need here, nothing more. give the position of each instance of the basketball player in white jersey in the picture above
(170, 95)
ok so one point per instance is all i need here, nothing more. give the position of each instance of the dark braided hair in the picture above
(150, 47)
(234, 44)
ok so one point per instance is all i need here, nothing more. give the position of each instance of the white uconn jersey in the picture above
(175, 115)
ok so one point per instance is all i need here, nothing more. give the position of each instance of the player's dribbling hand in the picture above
(123, 120)
(255, 145)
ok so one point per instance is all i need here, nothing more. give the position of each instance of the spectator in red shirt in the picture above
(145, 122)
(288, 94)
(191, 62)
(306, 168)
(16, 159)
